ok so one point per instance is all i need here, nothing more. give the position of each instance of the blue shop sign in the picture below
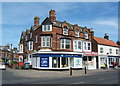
(56, 55)
(44, 61)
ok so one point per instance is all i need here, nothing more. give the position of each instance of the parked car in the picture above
(2, 65)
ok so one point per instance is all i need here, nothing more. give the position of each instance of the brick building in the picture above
(8, 53)
(56, 45)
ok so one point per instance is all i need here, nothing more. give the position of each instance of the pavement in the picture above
(31, 73)
(16, 76)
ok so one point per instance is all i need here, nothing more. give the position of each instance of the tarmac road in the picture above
(12, 76)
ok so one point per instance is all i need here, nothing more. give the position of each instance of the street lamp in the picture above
(11, 53)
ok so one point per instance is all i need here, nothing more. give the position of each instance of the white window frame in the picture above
(46, 27)
(21, 48)
(36, 39)
(26, 38)
(30, 45)
(86, 35)
(76, 45)
(64, 43)
(116, 51)
(110, 51)
(85, 46)
(101, 50)
(31, 35)
(65, 31)
(76, 33)
(45, 42)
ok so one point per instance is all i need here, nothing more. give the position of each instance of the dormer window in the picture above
(86, 35)
(76, 33)
(46, 27)
(65, 31)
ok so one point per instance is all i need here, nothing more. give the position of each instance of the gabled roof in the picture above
(105, 41)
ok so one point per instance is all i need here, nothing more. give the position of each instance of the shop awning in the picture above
(56, 55)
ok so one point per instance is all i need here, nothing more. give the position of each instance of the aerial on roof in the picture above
(105, 41)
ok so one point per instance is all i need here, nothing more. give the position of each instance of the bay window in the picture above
(87, 46)
(65, 43)
(77, 45)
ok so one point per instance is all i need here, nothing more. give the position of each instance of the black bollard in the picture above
(85, 71)
(70, 71)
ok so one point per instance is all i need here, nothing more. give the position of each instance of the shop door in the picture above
(56, 62)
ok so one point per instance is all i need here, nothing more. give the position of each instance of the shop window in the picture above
(64, 62)
(56, 62)
(85, 58)
(65, 43)
(65, 30)
(46, 41)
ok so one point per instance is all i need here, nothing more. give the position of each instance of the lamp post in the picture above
(11, 53)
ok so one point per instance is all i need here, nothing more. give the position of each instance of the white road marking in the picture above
(79, 83)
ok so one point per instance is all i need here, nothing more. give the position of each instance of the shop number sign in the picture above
(44, 61)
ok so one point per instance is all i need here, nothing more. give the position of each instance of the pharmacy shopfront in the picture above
(56, 60)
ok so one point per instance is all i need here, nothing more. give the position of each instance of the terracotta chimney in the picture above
(52, 15)
(36, 21)
(106, 36)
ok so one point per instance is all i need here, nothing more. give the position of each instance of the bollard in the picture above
(70, 71)
(85, 71)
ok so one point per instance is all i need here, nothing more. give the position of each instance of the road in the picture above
(102, 77)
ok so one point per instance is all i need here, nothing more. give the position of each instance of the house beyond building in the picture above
(108, 51)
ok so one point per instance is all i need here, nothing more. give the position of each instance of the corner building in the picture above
(54, 44)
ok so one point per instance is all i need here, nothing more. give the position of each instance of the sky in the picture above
(19, 16)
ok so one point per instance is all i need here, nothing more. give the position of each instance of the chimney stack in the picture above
(118, 42)
(106, 36)
(36, 21)
(52, 15)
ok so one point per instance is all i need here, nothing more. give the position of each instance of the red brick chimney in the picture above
(106, 36)
(52, 15)
(36, 21)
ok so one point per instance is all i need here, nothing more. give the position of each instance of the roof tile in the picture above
(105, 41)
